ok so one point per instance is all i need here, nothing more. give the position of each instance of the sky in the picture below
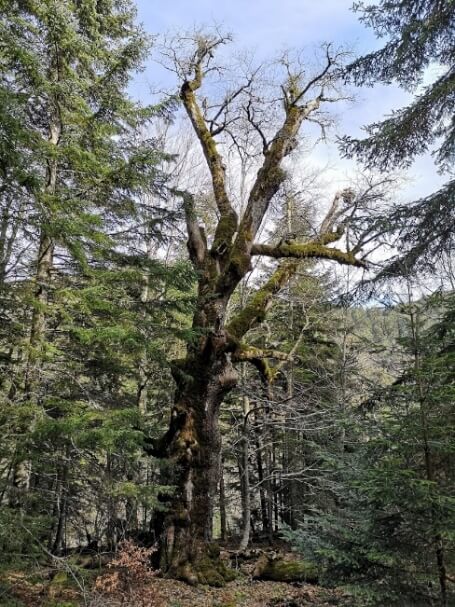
(268, 27)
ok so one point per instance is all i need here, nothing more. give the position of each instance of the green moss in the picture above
(279, 570)
(256, 309)
(225, 230)
(211, 570)
(60, 578)
(206, 568)
(207, 574)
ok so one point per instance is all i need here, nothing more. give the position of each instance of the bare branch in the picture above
(318, 78)
(270, 176)
(197, 241)
(228, 220)
(228, 101)
(250, 117)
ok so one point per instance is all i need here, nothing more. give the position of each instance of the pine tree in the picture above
(391, 535)
(80, 194)
(420, 35)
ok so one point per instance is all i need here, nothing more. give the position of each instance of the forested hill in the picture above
(226, 376)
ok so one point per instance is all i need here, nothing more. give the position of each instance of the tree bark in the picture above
(223, 516)
(195, 443)
(260, 470)
(61, 503)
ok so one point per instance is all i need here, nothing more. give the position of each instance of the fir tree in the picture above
(391, 535)
(420, 35)
(80, 194)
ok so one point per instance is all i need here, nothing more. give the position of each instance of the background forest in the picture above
(209, 344)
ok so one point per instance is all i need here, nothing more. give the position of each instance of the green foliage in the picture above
(84, 334)
(419, 35)
(15, 532)
(395, 514)
(92, 311)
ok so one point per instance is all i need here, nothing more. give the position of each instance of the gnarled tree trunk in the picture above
(207, 373)
(194, 444)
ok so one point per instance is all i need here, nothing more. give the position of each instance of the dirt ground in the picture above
(248, 593)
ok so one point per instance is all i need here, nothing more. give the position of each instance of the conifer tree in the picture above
(79, 198)
(420, 35)
(391, 535)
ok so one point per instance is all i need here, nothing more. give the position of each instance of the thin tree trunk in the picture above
(269, 489)
(245, 478)
(131, 506)
(268, 465)
(9, 228)
(61, 503)
(438, 540)
(223, 517)
(262, 498)
(275, 486)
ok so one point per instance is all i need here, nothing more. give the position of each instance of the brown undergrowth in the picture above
(129, 581)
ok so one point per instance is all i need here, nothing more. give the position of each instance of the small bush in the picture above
(129, 579)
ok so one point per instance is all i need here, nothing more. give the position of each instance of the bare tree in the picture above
(208, 373)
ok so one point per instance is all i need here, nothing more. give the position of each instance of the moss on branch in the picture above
(255, 311)
(213, 158)
(311, 250)
(245, 352)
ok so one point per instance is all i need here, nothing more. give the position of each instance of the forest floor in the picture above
(248, 593)
(18, 589)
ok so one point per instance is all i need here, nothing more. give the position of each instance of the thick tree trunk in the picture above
(207, 374)
(195, 448)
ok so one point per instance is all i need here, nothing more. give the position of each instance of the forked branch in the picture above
(197, 241)
(228, 217)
